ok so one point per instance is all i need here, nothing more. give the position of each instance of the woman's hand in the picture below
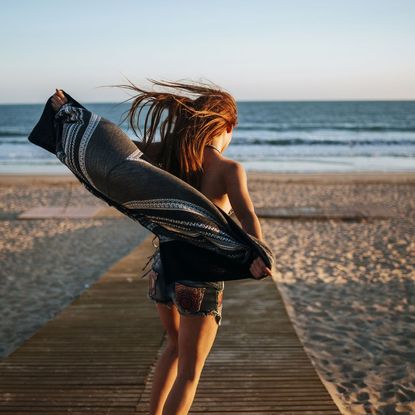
(259, 269)
(58, 99)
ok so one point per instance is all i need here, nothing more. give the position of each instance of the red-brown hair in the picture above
(190, 123)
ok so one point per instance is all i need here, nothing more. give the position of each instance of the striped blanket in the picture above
(109, 165)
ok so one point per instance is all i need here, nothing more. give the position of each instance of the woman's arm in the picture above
(237, 189)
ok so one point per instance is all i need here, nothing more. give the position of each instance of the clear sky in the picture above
(256, 49)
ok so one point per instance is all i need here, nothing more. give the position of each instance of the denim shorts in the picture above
(190, 297)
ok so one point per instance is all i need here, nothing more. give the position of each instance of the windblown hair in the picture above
(189, 123)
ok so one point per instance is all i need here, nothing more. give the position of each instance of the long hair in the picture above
(190, 123)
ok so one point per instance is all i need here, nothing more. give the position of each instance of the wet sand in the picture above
(349, 286)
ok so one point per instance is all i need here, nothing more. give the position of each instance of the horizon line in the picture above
(247, 100)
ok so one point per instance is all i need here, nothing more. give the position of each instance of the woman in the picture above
(193, 136)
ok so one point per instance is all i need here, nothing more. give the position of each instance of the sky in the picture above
(255, 49)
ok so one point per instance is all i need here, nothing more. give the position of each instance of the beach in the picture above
(348, 285)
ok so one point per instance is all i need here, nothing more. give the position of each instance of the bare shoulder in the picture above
(234, 171)
(228, 164)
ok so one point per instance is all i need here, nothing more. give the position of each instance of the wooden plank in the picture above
(47, 212)
(71, 212)
(108, 212)
(345, 213)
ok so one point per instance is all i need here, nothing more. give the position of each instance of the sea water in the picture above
(321, 136)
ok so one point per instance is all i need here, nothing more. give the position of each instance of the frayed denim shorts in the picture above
(199, 298)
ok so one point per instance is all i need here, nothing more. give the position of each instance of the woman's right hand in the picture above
(58, 99)
(258, 269)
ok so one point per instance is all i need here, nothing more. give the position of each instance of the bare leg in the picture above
(166, 367)
(196, 337)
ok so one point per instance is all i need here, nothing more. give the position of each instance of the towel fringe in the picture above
(150, 257)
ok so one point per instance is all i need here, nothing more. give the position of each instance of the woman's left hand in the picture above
(259, 269)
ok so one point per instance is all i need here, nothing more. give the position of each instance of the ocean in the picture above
(321, 136)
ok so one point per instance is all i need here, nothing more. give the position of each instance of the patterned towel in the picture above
(108, 164)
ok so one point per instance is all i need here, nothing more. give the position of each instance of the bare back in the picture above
(213, 184)
(225, 184)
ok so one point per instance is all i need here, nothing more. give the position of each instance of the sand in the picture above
(46, 264)
(349, 286)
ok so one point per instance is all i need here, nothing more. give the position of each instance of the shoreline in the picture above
(322, 178)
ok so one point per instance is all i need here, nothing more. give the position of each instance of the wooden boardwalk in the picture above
(97, 356)
(257, 364)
